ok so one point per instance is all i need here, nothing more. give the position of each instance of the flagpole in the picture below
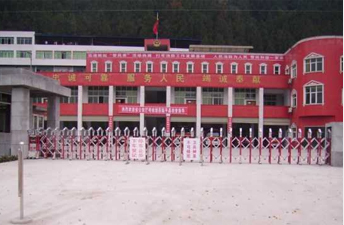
(157, 33)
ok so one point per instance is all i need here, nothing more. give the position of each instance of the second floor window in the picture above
(293, 99)
(205, 67)
(313, 63)
(123, 66)
(137, 67)
(98, 94)
(24, 54)
(44, 54)
(293, 70)
(219, 68)
(190, 67)
(277, 69)
(149, 67)
(175, 67)
(6, 40)
(163, 67)
(24, 40)
(94, 67)
(62, 55)
(234, 68)
(263, 69)
(212, 96)
(108, 67)
(313, 94)
(6, 54)
(73, 97)
(248, 68)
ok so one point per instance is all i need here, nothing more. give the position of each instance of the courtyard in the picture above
(110, 192)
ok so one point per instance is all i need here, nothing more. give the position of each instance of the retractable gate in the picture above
(114, 145)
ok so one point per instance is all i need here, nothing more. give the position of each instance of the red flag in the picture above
(156, 25)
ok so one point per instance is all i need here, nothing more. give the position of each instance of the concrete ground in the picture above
(98, 192)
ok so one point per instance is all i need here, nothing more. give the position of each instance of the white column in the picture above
(230, 108)
(110, 118)
(80, 101)
(142, 104)
(168, 104)
(198, 110)
(261, 110)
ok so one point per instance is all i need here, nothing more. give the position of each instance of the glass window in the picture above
(6, 40)
(79, 55)
(205, 67)
(219, 68)
(243, 95)
(182, 94)
(98, 94)
(44, 54)
(293, 99)
(123, 66)
(24, 40)
(234, 68)
(163, 67)
(137, 67)
(263, 69)
(341, 64)
(270, 99)
(314, 64)
(293, 70)
(287, 70)
(248, 68)
(149, 67)
(277, 69)
(23, 54)
(62, 54)
(212, 96)
(73, 98)
(6, 54)
(108, 67)
(314, 94)
(127, 93)
(190, 67)
(175, 67)
(94, 67)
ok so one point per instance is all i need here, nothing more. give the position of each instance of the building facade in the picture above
(204, 86)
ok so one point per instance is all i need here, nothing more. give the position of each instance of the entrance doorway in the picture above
(155, 95)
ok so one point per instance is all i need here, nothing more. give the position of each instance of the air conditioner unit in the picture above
(290, 109)
(190, 101)
(290, 81)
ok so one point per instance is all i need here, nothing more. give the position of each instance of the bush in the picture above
(8, 158)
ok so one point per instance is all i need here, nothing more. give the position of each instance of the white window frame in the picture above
(139, 68)
(341, 64)
(310, 84)
(106, 64)
(293, 74)
(192, 67)
(151, 64)
(236, 67)
(313, 56)
(178, 68)
(293, 92)
(207, 64)
(248, 64)
(279, 69)
(287, 70)
(221, 68)
(94, 69)
(163, 63)
(125, 66)
(260, 68)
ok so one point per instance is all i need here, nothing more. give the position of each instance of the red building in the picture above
(208, 86)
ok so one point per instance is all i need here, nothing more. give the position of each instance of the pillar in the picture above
(198, 110)
(261, 112)
(142, 104)
(230, 108)
(80, 101)
(110, 125)
(53, 111)
(20, 119)
(168, 104)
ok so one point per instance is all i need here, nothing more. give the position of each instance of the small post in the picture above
(182, 133)
(21, 219)
(201, 145)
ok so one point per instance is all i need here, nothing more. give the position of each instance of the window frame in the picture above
(277, 65)
(236, 67)
(139, 68)
(292, 103)
(163, 63)
(92, 68)
(178, 67)
(216, 67)
(151, 67)
(313, 83)
(106, 64)
(341, 64)
(207, 70)
(121, 69)
(293, 73)
(192, 67)
(310, 57)
(260, 68)
(287, 70)
(248, 64)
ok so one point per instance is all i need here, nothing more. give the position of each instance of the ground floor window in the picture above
(212, 96)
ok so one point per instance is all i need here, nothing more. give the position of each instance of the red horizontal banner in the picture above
(154, 110)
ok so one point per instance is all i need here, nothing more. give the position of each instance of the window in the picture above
(270, 99)
(294, 98)
(341, 64)
(23, 54)
(293, 69)
(287, 70)
(244, 96)
(98, 94)
(234, 68)
(205, 67)
(123, 66)
(212, 96)
(79, 55)
(108, 66)
(277, 69)
(190, 67)
(313, 93)
(6, 54)
(24, 40)
(149, 67)
(183, 94)
(44, 54)
(6, 40)
(94, 67)
(313, 63)
(137, 67)
(127, 93)
(262, 68)
(248, 68)
(62, 54)
(175, 67)
(163, 67)
(219, 68)
(74, 96)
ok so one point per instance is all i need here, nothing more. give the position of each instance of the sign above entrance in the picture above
(153, 110)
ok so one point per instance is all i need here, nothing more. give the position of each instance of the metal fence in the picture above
(114, 145)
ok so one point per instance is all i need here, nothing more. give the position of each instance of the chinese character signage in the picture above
(191, 149)
(161, 110)
(137, 149)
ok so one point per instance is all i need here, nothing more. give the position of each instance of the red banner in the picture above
(152, 110)
(168, 123)
(229, 123)
(111, 122)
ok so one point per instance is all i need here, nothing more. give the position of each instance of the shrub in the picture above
(8, 158)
